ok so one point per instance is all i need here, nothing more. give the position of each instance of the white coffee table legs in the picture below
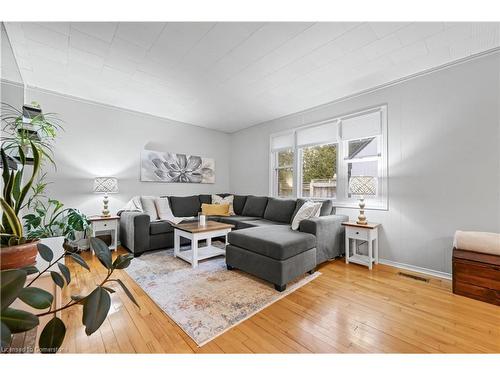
(196, 253)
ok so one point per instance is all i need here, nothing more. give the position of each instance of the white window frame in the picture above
(342, 198)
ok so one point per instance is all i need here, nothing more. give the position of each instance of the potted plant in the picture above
(15, 286)
(55, 225)
(20, 128)
(16, 251)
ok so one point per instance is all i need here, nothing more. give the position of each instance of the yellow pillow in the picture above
(215, 209)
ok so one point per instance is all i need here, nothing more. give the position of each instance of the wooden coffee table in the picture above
(196, 232)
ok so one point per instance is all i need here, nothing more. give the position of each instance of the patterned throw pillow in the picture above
(217, 199)
(148, 206)
(308, 210)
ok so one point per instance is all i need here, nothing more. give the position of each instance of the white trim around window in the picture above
(365, 127)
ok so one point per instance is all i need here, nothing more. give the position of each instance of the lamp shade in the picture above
(105, 185)
(363, 185)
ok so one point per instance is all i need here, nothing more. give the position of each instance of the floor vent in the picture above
(415, 277)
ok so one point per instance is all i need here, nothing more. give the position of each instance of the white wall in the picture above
(444, 159)
(101, 140)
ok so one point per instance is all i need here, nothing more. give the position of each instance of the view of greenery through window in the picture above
(285, 173)
(319, 171)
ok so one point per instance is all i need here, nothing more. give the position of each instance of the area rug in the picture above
(206, 301)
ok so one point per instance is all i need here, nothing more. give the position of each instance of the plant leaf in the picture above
(57, 279)
(36, 297)
(77, 297)
(102, 252)
(18, 320)
(6, 335)
(30, 270)
(127, 292)
(65, 272)
(12, 283)
(52, 336)
(12, 219)
(78, 259)
(109, 289)
(95, 309)
(34, 173)
(122, 261)
(45, 252)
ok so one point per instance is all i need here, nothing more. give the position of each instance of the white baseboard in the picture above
(427, 271)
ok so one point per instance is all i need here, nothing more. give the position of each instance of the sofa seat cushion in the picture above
(159, 227)
(261, 223)
(274, 241)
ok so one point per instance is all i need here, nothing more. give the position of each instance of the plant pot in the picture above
(18, 256)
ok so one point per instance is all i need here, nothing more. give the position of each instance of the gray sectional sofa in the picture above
(262, 242)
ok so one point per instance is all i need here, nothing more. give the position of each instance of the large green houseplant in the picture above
(96, 305)
(16, 250)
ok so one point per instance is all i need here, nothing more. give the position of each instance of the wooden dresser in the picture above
(476, 275)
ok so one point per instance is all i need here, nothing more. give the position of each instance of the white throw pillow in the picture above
(148, 207)
(217, 199)
(163, 208)
(307, 211)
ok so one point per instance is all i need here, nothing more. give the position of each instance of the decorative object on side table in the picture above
(362, 185)
(195, 233)
(362, 232)
(104, 224)
(105, 185)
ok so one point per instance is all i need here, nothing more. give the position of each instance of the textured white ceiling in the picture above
(229, 76)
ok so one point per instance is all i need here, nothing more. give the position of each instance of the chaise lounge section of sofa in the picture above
(262, 242)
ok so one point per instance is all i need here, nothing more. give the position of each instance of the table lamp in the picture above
(362, 185)
(105, 185)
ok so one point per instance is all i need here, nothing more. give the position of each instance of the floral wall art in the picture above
(171, 167)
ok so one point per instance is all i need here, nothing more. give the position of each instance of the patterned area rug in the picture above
(207, 301)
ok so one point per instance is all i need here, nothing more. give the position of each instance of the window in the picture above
(282, 156)
(318, 161)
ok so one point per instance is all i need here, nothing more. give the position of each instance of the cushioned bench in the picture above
(476, 266)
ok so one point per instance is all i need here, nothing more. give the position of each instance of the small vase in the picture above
(18, 256)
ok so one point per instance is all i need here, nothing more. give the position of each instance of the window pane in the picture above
(319, 171)
(361, 148)
(285, 158)
(362, 168)
(285, 182)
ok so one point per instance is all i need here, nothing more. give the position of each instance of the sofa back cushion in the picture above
(205, 198)
(239, 203)
(326, 208)
(185, 206)
(280, 210)
(254, 206)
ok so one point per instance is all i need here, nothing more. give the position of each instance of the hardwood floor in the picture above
(348, 309)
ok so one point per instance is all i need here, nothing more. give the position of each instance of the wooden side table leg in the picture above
(370, 253)
(376, 250)
(347, 249)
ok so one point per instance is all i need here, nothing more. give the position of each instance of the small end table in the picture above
(363, 232)
(104, 224)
